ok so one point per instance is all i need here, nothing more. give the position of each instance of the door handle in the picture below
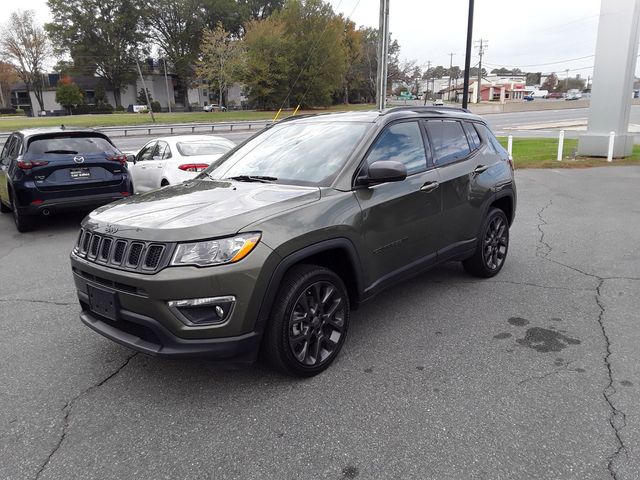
(429, 187)
(481, 168)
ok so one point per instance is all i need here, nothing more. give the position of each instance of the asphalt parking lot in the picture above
(532, 374)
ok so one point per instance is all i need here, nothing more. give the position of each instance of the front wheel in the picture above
(308, 322)
(491, 252)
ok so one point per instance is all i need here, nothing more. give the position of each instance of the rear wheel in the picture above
(164, 183)
(491, 253)
(23, 222)
(309, 321)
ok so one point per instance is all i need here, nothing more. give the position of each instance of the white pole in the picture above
(560, 145)
(510, 145)
(612, 138)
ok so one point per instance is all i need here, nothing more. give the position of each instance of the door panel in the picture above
(399, 219)
(4, 171)
(139, 171)
(400, 223)
(463, 191)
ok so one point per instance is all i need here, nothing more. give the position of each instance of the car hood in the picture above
(197, 209)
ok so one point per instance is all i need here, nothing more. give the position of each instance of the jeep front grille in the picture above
(123, 254)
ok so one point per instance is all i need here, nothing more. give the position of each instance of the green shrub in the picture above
(156, 107)
(120, 108)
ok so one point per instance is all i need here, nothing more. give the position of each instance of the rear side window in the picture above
(472, 135)
(403, 143)
(70, 144)
(448, 141)
(492, 141)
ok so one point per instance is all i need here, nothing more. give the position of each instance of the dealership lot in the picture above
(532, 374)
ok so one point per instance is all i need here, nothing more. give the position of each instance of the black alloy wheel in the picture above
(495, 243)
(316, 324)
(491, 252)
(308, 322)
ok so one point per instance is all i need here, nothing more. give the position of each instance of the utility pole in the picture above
(481, 46)
(450, 68)
(383, 54)
(566, 80)
(166, 83)
(146, 93)
(467, 58)
(428, 78)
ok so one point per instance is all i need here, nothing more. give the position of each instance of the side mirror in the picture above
(383, 171)
(131, 158)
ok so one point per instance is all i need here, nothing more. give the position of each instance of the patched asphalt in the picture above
(532, 374)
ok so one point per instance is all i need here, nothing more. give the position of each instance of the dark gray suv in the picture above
(272, 246)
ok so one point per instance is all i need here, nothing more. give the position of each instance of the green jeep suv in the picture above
(271, 247)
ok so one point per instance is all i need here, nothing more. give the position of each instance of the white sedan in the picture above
(172, 160)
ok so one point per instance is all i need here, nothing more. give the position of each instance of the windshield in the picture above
(297, 153)
(191, 149)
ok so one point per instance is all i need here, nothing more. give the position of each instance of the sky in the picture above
(545, 35)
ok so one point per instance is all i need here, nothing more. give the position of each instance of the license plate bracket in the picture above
(79, 173)
(103, 302)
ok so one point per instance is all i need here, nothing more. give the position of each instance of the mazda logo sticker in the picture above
(78, 159)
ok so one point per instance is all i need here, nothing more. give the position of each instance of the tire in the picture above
(164, 183)
(491, 252)
(293, 343)
(23, 222)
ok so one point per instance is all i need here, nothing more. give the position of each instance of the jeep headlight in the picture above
(215, 252)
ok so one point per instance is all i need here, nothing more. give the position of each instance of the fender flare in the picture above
(297, 257)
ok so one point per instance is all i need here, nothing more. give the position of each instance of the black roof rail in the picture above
(426, 109)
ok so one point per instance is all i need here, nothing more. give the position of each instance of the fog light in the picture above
(203, 311)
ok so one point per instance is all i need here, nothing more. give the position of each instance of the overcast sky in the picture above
(529, 35)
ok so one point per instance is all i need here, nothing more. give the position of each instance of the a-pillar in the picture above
(613, 75)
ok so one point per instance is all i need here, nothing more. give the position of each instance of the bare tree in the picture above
(7, 77)
(25, 45)
(222, 58)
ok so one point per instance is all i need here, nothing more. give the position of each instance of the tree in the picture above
(102, 37)
(550, 82)
(68, 94)
(222, 59)
(267, 62)
(8, 76)
(24, 44)
(141, 98)
(260, 9)
(533, 78)
(352, 41)
(299, 58)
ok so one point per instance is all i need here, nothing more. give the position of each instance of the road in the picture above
(501, 123)
(532, 374)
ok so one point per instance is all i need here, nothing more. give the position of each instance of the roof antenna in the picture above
(62, 127)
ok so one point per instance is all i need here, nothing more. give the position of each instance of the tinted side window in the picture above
(449, 143)
(403, 143)
(491, 140)
(472, 136)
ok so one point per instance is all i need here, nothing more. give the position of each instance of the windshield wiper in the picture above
(62, 151)
(253, 178)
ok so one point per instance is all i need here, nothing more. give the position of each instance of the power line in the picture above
(541, 64)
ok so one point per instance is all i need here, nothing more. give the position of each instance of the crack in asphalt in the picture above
(28, 300)
(565, 368)
(525, 284)
(617, 418)
(11, 250)
(67, 412)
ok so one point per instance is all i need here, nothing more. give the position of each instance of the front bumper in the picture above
(146, 323)
(146, 335)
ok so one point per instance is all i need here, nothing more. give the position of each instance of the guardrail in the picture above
(133, 130)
